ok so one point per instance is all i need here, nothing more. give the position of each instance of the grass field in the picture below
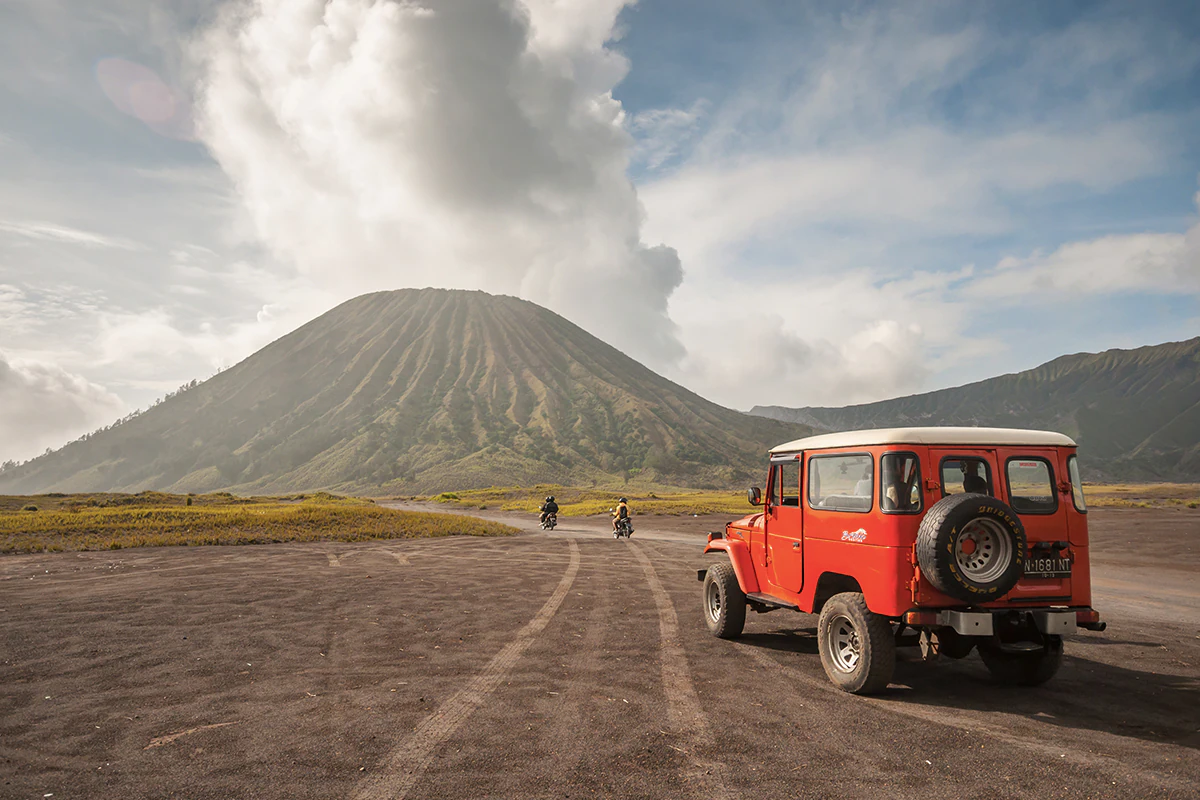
(110, 522)
(54, 522)
(1142, 495)
(575, 502)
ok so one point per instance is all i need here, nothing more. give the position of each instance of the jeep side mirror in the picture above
(754, 495)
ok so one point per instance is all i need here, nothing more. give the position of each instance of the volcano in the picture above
(419, 391)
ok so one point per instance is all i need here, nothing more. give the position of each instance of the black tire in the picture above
(978, 521)
(951, 644)
(1023, 667)
(724, 602)
(857, 646)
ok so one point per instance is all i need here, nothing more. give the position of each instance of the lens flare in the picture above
(138, 91)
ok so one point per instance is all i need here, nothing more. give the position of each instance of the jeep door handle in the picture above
(795, 545)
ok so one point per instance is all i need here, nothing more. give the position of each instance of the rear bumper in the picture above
(1049, 621)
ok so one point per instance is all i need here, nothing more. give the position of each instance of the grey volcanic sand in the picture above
(556, 665)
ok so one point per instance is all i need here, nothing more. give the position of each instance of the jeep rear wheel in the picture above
(971, 547)
(724, 602)
(858, 649)
(1023, 667)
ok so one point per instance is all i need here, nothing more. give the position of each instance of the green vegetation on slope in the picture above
(167, 520)
(417, 391)
(1134, 413)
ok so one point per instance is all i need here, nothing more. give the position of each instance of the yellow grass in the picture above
(156, 521)
(150, 499)
(1142, 495)
(575, 502)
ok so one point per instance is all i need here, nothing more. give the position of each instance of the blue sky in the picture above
(798, 203)
(1118, 82)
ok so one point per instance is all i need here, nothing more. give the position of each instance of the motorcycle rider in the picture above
(547, 508)
(621, 513)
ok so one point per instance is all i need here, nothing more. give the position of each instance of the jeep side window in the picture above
(774, 489)
(966, 475)
(789, 483)
(840, 483)
(1076, 484)
(900, 483)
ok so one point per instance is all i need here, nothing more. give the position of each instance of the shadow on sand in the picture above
(1087, 694)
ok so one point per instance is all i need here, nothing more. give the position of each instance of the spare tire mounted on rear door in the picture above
(972, 547)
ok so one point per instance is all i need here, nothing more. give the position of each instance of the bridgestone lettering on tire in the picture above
(724, 602)
(858, 648)
(971, 547)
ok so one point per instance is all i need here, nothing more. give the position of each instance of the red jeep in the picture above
(946, 538)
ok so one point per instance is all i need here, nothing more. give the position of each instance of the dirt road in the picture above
(555, 666)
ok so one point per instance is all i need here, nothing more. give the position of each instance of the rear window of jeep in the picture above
(841, 483)
(966, 474)
(1031, 486)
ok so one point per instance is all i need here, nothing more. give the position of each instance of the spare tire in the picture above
(971, 547)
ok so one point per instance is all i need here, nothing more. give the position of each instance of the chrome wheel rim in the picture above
(712, 601)
(983, 550)
(844, 644)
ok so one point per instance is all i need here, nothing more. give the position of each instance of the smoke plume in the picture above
(460, 143)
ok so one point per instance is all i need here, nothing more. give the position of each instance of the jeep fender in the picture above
(739, 555)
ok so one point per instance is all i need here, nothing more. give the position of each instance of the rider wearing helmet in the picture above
(621, 512)
(548, 507)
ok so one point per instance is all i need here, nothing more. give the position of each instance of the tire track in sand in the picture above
(685, 717)
(404, 765)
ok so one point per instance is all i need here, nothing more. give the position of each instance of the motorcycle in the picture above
(550, 521)
(624, 528)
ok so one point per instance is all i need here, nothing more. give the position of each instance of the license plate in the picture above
(1047, 567)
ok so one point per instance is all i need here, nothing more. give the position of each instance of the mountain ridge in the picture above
(1135, 413)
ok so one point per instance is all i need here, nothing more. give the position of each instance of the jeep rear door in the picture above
(1030, 480)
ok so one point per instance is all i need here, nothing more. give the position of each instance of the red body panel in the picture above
(738, 551)
(785, 551)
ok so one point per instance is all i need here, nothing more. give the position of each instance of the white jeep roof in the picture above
(955, 436)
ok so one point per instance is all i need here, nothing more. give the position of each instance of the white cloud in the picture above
(840, 338)
(149, 342)
(50, 232)
(919, 182)
(661, 133)
(45, 406)
(468, 144)
(1153, 263)
(1145, 263)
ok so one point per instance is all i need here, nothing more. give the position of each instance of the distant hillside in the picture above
(1135, 413)
(419, 391)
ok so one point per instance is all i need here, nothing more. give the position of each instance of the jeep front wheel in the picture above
(724, 602)
(1032, 666)
(858, 649)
